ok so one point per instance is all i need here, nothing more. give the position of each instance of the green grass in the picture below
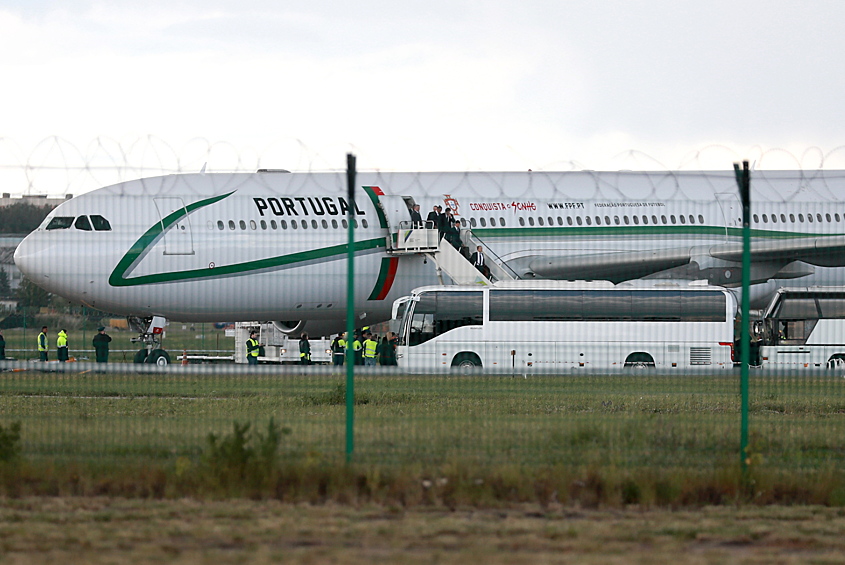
(625, 438)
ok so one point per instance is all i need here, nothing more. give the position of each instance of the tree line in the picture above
(22, 217)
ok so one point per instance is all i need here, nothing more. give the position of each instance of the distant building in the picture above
(34, 199)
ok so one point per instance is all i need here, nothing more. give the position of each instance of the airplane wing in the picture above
(620, 266)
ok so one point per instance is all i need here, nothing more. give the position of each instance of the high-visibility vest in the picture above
(370, 346)
(42, 342)
(252, 347)
(62, 340)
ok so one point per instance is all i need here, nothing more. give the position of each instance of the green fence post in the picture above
(350, 309)
(743, 179)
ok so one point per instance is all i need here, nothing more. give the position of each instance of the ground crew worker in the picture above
(338, 349)
(42, 343)
(101, 345)
(358, 350)
(252, 348)
(61, 345)
(304, 349)
(370, 347)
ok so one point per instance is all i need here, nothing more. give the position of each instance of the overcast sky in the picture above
(425, 85)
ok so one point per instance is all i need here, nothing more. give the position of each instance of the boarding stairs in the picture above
(410, 240)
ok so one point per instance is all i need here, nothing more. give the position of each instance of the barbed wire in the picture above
(57, 167)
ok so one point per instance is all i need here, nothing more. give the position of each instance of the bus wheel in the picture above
(639, 361)
(140, 357)
(836, 362)
(158, 357)
(466, 361)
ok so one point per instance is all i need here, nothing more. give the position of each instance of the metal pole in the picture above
(743, 179)
(350, 308)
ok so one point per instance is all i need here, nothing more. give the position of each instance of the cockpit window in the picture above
(60, 223)
(82, 223)
(100, 223)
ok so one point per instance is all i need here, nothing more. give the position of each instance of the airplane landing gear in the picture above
(150, 331)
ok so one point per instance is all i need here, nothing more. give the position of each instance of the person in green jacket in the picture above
(101, 345)
(61, 345)
(304, 349)
(387, 351)
(42, 344)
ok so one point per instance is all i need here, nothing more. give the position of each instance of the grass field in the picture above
(610, 439)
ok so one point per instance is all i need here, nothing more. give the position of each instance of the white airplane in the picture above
(272, 245)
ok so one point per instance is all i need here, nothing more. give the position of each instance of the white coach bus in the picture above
(548, 326)
(804, 328)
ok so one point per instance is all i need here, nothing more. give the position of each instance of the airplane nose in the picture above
(31, 260)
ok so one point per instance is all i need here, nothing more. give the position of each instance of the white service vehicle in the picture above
(804, 328)
(277, 346)
(549, 326)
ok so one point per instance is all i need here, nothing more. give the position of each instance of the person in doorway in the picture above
(370, 350)
(387, 351)
(61, 345)
(42, 344)
(101, 345)
(416, 217)
(304, 349)
(252, 347)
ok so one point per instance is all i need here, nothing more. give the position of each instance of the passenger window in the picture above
(334, 224)
(827, 216)
(314, 224)
(682, 218)
(645, 220)
(636, 220)
(231, 224)
(483, 222)
(325, 225)
(60, 223)
(756, 219)
(82, 223)
(672, 218)
(691, 219)
(530, 221)
(364, 224)
(263, 225)
(242, 224)
(765, 219)
(588, 220)
(663, 220)
(700, 219)
(810, 218)
(616, 220)
(607, 220)
(783, 218)
(627, 220)
(293, 224)
(354, 223)
(344, 224)
(521, 221)
(100, 223)
(501, 221)
(472, 222)
(792, 218)
(551, 221)
(559, 221)
(835, 216)
(282, 223)
(220, 225)
(569, 220)
(819, 217)
(304, 224)
(578, 220)
(253, 225)
(801, 218)
(540, 220)
(493, 222)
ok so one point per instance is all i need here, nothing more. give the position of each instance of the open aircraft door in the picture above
(731, 210)
(178, 239)
(397, 211)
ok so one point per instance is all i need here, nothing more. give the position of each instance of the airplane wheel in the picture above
(158, 357)
(141, 356)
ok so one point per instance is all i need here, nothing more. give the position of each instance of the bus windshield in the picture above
(435, 313)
